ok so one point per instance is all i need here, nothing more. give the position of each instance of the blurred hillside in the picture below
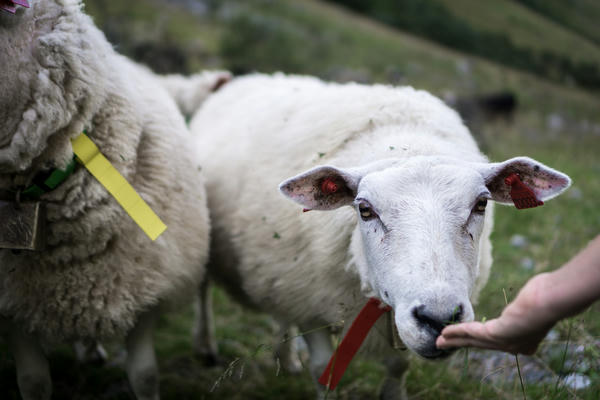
(330, 42)
(543, 53)
(537, 37)
(500, 30)
(579, 15)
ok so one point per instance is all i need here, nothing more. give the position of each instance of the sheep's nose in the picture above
(435, 322)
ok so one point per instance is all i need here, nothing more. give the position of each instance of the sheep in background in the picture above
(190, 92)
(100, 276)
(416, 230)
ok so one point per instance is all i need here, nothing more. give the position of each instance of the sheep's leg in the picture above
(285, 351)
(320, 350)
(142, 369)
(90, 352)
(205, 344)
(394, 385)
(33, 371)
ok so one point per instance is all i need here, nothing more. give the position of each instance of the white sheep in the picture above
(190, 92)
(415, 234)
(100, 276)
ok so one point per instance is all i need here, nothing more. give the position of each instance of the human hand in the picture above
(519, 329)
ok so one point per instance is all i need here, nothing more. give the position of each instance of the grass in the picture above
(343, 41)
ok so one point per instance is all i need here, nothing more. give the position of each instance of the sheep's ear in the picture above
(509, 182)
(220, 78)
(322, 188)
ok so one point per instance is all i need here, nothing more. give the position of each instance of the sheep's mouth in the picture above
(11, 5)
(433, 353)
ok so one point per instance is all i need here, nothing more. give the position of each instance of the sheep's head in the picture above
(421, 226)
(14, 45)
(51, 57)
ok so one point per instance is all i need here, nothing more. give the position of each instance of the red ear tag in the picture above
(521, 195)
(351, 343)
(328, 186)
(9, 5)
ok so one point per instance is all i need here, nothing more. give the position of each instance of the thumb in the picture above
(465, 329)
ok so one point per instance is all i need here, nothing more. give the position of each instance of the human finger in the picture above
(465, 329)
(443, 343)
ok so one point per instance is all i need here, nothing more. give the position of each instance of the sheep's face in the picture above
(418, 235)
(419, 230)
(23, 66)
(15, 44)
(52, 72)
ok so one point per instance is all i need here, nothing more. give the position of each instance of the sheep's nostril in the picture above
(428, 320)
(436, 322)
(456, 316)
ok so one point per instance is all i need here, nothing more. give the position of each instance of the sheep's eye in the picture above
(480, 206)
(365, 211)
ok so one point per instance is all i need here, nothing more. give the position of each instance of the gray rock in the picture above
(552, 335)
(577, 381)
(527, 264)
(575, 193)
(555, 122)
(518, 241)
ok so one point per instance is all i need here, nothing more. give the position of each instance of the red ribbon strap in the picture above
(351, 343)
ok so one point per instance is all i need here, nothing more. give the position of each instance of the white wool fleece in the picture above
(99, 270)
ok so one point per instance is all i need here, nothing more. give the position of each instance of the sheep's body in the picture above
(100, 271)
(300, 266)
(416, 234)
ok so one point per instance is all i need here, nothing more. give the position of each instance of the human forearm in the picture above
(573, 287)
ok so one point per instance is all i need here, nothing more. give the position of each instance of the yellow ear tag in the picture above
(90, 156)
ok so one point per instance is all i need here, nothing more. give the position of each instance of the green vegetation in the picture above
(554, 123)
(436, 21)
(528, 29)
(579, 15)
